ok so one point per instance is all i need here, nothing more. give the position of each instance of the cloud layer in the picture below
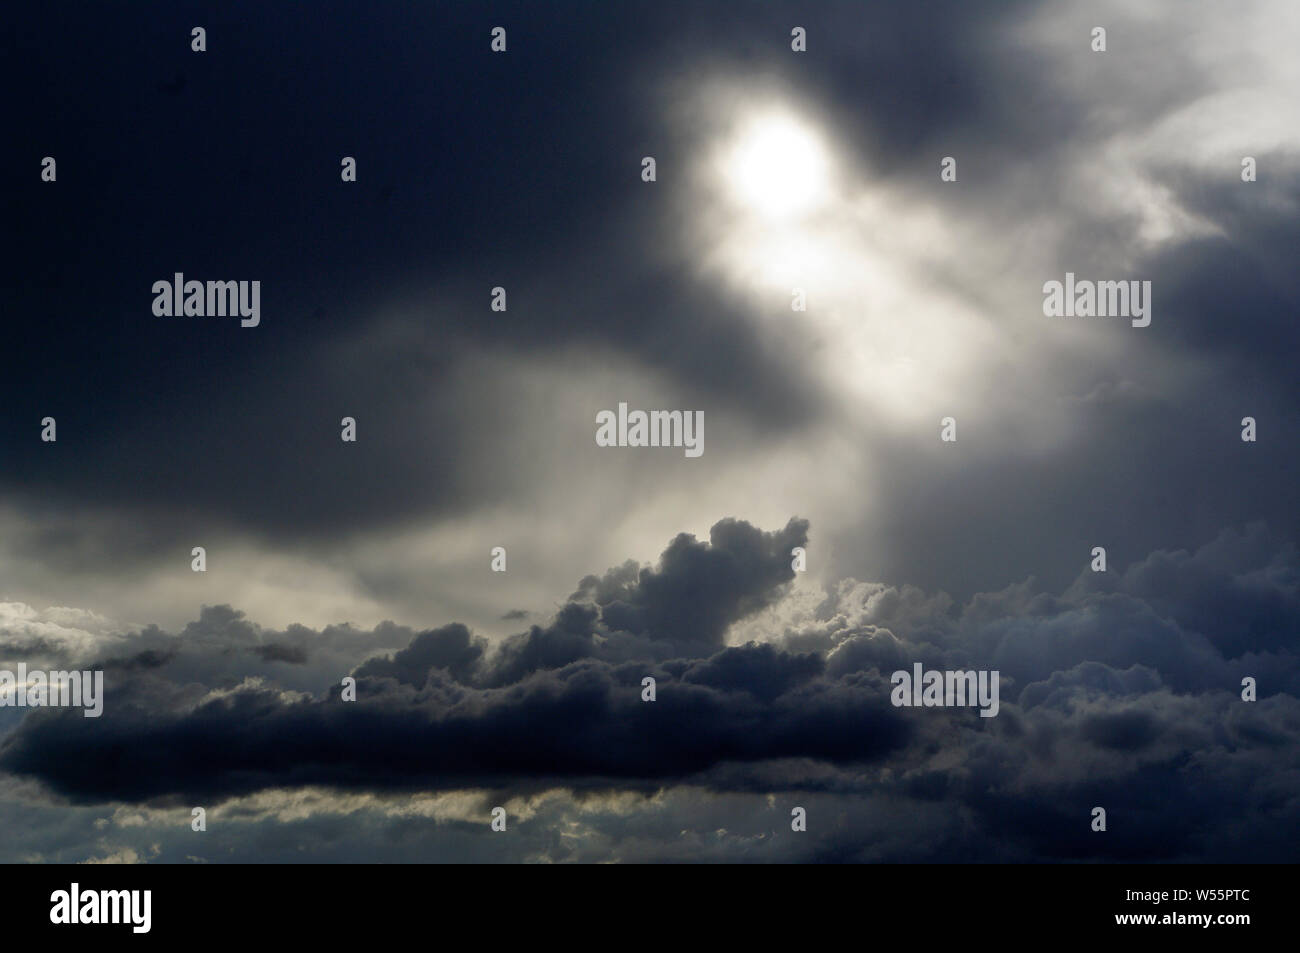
(1110, 698)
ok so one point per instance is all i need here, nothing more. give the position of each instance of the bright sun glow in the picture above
(778, 168)
(801, 221)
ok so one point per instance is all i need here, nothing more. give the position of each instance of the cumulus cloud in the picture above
(1107, 698)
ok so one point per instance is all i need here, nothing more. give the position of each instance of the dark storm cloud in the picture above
(1122, 730)
(1106, 701)
(1149, 465)
(475, 171)
(578, 680)
(699, 589)
(1241, 591)
(154, 658)
(1119, 689)
(1144, 468)
(685, 604)
(576, 724)
(504, 182)
(274, 652)
(491, 178)
(452, 648)
(761, 670)
(1244, 619)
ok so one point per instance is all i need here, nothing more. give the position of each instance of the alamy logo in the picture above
(658, 428)
(103, 906)
(25, 689)
(935, 689)
(1101, 299)
(211, 299)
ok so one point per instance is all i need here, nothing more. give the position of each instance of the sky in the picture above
(782, 177)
